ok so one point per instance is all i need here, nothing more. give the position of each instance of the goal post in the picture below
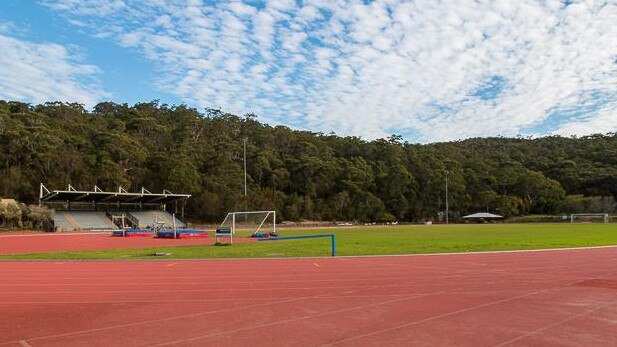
(588, 217)
(251, 221)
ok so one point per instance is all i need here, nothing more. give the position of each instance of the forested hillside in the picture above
(303, 175)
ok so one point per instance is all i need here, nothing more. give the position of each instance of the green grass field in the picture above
(415, 239)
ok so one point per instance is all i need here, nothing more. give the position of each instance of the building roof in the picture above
(483, 215)
(99, 196)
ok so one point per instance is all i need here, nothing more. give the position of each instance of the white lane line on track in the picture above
(258, 326)
(227, 290)
(452, 313)
(553, 288)
(117, 326)
(164, 319)
(284, 279)
(337, 297)
(382, 280)
(55, 235)
(549, 326)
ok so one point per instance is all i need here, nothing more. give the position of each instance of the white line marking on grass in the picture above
(24, 343)
(298, 258)
(474, 252)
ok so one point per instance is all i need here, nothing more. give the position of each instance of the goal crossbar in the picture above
(603, 215)
(232, 216)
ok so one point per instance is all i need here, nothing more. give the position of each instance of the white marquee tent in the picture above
(483, 215)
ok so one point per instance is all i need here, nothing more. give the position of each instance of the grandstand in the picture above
(101, 210)
(82, 220)
(161, 218)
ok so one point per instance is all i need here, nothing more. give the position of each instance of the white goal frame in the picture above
(603, 215)
(267, 214)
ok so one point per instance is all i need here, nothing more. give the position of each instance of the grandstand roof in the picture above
(98, 195)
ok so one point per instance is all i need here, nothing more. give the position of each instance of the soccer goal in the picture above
(253, 222)
(589, 218)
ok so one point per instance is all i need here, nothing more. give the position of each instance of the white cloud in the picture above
(88, 7)
(40, 72)
(5, 27)
(603, 121)
(388, 66)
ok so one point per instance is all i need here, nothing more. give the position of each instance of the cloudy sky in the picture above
(429, 70)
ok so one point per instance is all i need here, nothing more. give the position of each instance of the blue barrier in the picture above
(282, 238)
(180, 233)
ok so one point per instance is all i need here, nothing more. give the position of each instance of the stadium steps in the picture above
(149, 218)
(116, 218)
(63, 221)
(82, 220)
(72, 220)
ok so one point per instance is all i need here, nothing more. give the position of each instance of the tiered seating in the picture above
(82, 220)
(63, 222)
(149, 219)
(116, 218)
(93, 220)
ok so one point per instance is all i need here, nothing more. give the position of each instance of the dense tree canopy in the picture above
(303, 175)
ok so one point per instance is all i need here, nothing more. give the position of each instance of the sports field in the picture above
(545, 298)
(417, 239)
(554, 297)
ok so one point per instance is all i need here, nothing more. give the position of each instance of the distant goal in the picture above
(252, 222)
(589, 218)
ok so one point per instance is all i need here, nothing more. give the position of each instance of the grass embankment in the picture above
(379, 241)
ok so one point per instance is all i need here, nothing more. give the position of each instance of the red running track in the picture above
(529, 298)
(38, 243)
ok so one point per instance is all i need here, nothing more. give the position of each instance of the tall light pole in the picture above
(447, 211)
(245, 188)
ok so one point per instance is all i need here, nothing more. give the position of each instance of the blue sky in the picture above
(428, 70)
(126, 75)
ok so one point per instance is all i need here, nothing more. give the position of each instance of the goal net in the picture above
(251, 222)
(589, 218)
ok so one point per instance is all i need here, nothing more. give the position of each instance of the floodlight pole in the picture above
(447, 207)
(245, 188)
